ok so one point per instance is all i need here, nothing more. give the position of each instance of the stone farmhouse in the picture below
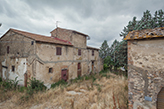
(64, 55)
(146, 69)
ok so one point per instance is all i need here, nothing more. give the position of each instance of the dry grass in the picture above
(104, 93)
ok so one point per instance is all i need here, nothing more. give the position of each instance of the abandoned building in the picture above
(64, 55)
(146, 68)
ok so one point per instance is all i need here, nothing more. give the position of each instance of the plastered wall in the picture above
(145, 72)
(21, 55)
(68, 60)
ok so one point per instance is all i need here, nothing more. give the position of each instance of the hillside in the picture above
(101, 91)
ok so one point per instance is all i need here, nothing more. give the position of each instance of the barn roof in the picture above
(41, 38)
(145, 34)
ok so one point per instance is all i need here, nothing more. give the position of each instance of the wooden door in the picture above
(78, 69)
(92, 66)
(64, 74)
(25, 79)
(160, 99)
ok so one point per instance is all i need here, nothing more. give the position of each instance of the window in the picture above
(58, 50)
(79, 52)
(8, 48)
(32, 42)
(13, 68)
(50, 70)
(92, 52)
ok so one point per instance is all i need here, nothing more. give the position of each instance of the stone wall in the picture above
(68, 60)
(145, 72)
(21, 55)
(77, 39)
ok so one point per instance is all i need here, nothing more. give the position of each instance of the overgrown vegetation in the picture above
(61, 82)
(93, 90)
(115, 56)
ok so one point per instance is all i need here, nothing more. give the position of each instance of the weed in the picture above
(36, 85)
(0, 79)
(61, 82)
(21, 89)
(93, 78)
(99, 88)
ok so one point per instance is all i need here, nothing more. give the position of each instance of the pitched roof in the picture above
(71, 31)
(145, 34)
(41, 38)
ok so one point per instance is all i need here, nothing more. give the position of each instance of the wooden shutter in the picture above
(160, 99)
(58, 50)
(8, 48)
(79, 52)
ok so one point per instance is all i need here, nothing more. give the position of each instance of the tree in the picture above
(147, 22)
(104, 50)
(121, 54)
(0, 24)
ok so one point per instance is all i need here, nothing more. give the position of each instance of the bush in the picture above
(7, 84)
(36, 85)
(105, 67)
(61, 82)
(0, 79)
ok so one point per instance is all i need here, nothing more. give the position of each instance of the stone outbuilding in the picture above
(63, 55)
(146, 69)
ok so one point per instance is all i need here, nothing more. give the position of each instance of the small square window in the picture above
(13, 68)
(92, 52)
(79, 52)
(58, 51)
(32, 42)
(50, 70)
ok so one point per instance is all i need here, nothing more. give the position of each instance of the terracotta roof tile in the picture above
(145, 34)
(42, 38)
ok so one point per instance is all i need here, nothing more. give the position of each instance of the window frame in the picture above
(58, 51)
(13, 68)
(8, 49)
(50, 70)
(79, 52)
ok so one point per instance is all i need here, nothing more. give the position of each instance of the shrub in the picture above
(86, 78)
(61, 82)
(36, 85)
(7, 84)
(0, 79)
(105, 67)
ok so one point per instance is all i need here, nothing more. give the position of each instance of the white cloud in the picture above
(100, 19)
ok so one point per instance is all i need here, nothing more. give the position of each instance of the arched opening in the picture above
(64, 74)
(160, 99)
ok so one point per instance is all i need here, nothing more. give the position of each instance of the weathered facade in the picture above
(146, 69)
(64, 55)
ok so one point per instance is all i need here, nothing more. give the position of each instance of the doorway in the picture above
(92, 66)
(160, 99)
(25, 79)
(78, 69)
(64, 74)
